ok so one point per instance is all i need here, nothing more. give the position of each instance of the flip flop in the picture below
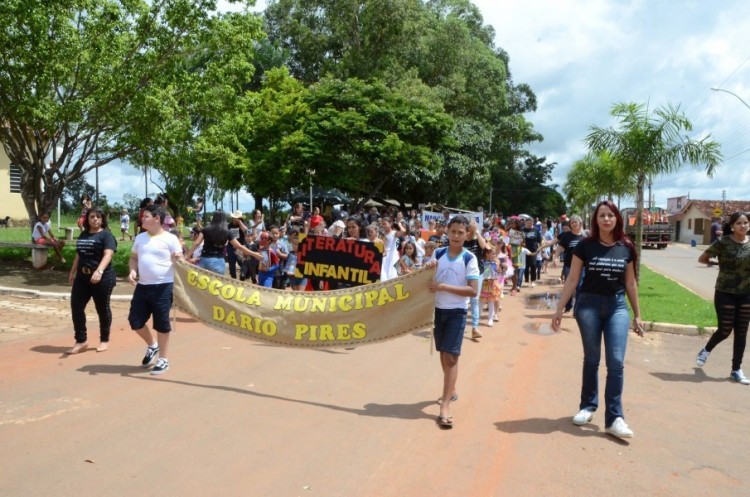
(454, 398)
(445, 422)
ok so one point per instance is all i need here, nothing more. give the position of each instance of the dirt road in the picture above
(239, 418)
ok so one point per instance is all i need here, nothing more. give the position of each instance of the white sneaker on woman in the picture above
(584, 416)
(620, 429)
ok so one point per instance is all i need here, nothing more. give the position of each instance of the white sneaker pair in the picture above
(619, 428)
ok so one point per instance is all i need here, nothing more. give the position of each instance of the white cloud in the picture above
(581, 57)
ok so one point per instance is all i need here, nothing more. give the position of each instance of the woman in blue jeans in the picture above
(609, 260)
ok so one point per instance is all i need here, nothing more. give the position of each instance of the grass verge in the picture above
(664, 301)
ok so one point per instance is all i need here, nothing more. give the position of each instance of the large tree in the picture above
(85, 82)
(368, 139)
(438, 49)
(648, 144)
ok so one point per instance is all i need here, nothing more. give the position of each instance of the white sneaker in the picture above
(620, 429)
(584, 416)
(490, 322)
(702, 357)
(740, 377)
(533, 284)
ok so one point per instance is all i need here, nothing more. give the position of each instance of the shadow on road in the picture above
(400, 411)
(51, 349)
(698, 376)
(545, 426)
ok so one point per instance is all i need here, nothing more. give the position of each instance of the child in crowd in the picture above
(408, 260)
(270, 263)
(521, 268)
(429, 250)
(493, 280)
(249, 266)
(516, 238)
(439, 237)
(295, 283)
(125, 225)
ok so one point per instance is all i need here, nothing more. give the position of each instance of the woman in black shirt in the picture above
(215, 237)
(92, 276)
(609, 260)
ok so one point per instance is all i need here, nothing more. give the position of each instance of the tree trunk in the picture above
(640, 183)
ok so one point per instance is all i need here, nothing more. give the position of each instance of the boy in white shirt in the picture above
(456, 280)
(152, 272)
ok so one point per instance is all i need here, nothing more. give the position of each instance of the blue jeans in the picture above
(603, 316)
(519, 276)
(213, 264)
(566, 272)
(476, 305)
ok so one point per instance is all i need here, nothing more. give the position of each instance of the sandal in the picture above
(445, 422)
(78, 347)
(475, 333)
(454, 398)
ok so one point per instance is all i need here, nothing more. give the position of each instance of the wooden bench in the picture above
(38, 252)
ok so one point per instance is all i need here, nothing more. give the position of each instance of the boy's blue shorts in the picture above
(449, 330)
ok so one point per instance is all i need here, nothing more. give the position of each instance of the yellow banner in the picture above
(340, 318)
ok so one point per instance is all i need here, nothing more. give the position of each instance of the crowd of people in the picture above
(477, 264)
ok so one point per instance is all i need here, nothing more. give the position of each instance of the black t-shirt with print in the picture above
(474, 247)
(568, 241)
(604, 266)
(532, 237)
(91, 246)
(440, 240)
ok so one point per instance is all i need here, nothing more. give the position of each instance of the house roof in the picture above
(707, 207)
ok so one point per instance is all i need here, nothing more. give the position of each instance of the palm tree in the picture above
(593, 177)
(648, 145)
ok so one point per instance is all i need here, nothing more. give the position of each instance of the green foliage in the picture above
(438, 52)
(594, 177)
(103, 80)
(368, 139)
(519, 188)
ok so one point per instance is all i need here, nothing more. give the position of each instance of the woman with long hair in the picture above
(609, 259)
(92, 277)
(215, 237)
(732, 294)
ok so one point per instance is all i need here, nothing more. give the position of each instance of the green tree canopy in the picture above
(105, 79)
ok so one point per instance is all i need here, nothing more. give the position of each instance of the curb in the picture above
(679, 329)
(36, 294)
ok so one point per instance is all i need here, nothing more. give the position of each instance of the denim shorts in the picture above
(214, 264)
(294, 281)
(449, 330)
(151, 300)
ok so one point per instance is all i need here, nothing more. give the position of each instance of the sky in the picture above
(581, 57)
